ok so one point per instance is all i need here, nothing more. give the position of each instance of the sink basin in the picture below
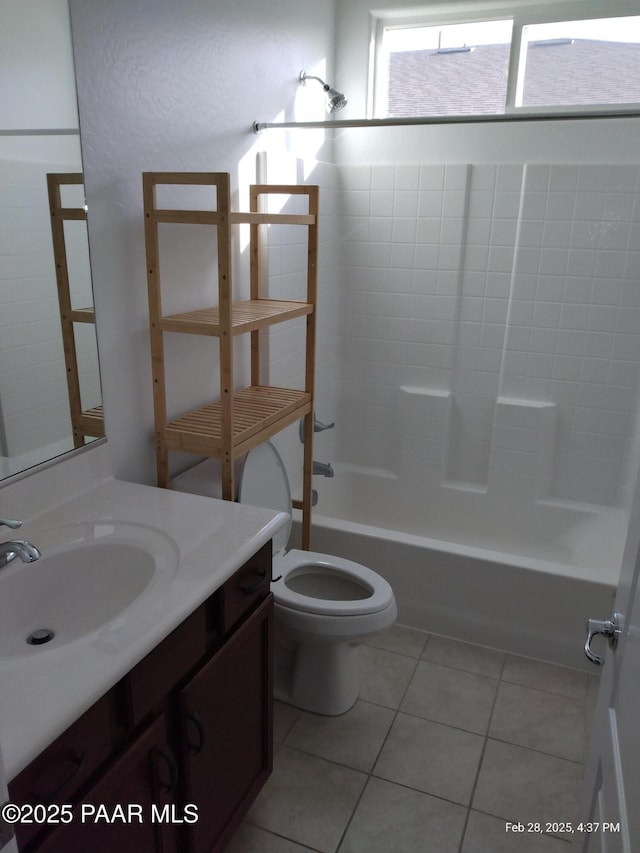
(87, 577)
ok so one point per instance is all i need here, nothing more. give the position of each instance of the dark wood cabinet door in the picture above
(64, 768)
(134, 803)
(226, 731)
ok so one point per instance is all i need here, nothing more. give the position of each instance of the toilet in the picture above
(324, 605)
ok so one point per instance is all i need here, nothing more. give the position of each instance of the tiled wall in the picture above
(492, 326)
(286, 268)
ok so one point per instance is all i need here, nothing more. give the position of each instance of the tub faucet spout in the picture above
(323, 468)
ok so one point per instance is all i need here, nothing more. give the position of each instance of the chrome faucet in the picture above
(27, 552)
(318, 426)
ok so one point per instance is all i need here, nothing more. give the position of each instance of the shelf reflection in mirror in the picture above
(48, 358)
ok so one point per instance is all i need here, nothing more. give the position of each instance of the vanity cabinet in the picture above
(175, 753)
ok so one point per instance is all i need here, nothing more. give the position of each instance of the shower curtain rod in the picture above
(45, 131)
(437, 120)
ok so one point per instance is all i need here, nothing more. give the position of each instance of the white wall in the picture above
(172, 86)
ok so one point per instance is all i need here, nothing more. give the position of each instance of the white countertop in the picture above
(43, 692)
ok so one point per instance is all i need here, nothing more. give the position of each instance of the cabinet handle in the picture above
(249, 590)
(195, 748)
(165, 755)
(77, 759)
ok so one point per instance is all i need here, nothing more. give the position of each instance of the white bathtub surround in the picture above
(488, 433)
(423, 431)
(522, 448)
(522, 440)
(494, 283)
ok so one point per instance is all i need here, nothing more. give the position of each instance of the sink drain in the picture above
(41, 636)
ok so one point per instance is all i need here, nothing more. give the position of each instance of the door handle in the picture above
(609, 628)
(194, 720)
(165, 755)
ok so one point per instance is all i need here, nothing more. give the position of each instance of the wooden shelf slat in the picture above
(245, 317)
(272, 219)
(82, 315)
(186, 217)
(211, 179)
(258, 412)
(71, 213)
(91, 422)
(212, 217)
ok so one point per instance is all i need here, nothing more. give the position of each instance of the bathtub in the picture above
(517, 575)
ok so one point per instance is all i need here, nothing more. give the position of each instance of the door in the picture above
(130, 807)
(612, 773)
(225, 716)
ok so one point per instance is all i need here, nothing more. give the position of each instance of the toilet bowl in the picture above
(324, 605)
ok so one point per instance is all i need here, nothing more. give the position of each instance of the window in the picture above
(436, 70)
(505, 65)
(581, 62)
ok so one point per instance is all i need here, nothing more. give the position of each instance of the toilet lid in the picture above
(264, 483)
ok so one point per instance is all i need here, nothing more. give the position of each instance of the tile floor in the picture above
(446, 743)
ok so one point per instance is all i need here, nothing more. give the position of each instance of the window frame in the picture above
(522, 15)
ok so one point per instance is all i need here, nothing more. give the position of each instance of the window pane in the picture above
(582, 62)
(450, 70)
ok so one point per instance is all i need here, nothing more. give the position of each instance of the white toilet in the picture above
(324, 605)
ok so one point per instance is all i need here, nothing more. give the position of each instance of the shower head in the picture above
(335, 100)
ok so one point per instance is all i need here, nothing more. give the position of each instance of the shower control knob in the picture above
(609, 628)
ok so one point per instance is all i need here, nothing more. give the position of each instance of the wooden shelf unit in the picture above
(88, 422)
(242, 418)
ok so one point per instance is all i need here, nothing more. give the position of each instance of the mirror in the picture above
(50, 399)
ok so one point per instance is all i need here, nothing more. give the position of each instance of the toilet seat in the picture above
(264, 483)
(377, 593)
